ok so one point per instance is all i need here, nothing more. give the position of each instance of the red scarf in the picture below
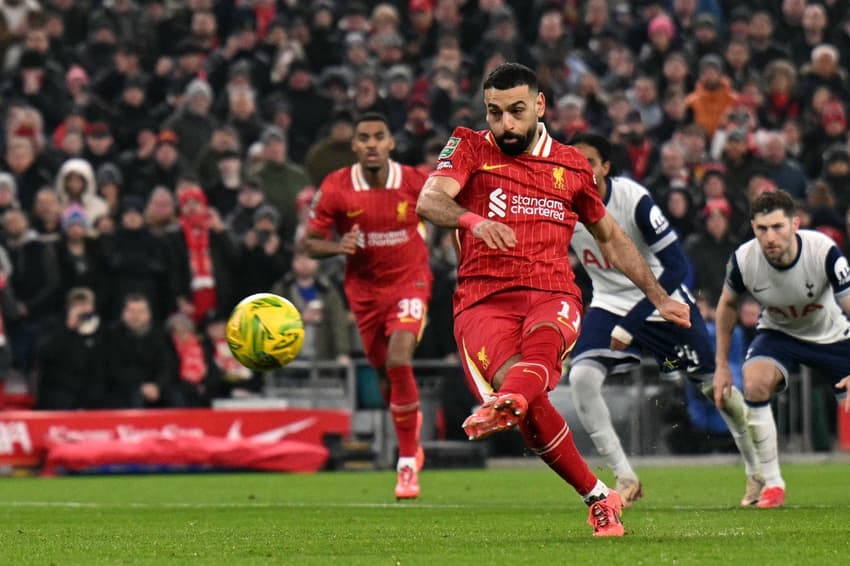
(264, 15)
(197, 233)
(193, 368)
(639, 156)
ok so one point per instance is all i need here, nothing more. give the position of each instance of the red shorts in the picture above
(489, 333)
(385, 312)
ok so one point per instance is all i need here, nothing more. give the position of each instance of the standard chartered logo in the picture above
(498, 203)
(525, 205)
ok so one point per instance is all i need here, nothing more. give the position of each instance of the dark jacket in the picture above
(133, 359)
(72, 370)
(138, 262)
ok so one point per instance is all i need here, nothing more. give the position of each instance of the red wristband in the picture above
(469, 220)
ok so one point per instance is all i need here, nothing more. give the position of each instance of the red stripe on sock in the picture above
(542, 425)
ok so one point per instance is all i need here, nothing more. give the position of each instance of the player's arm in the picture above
(845, 382)
(318, 242)
(838, 273)
(318, 246)
(725, 319)
(661, 239)
(621, 252)
(437, 203)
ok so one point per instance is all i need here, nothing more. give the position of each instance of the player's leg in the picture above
(487, 355)
(488, 336)
(550, 332)
(543, 345)
(734, 414)
(691, 351)
(586, 387)
(549, 436)
(404, 393)
(592, 361)
(404, 323)
(371, 324)
(762, 378)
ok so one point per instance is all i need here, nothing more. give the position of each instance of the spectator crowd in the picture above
(157, 158)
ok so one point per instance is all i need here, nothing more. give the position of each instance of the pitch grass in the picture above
(688, 516)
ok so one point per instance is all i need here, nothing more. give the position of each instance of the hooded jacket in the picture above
(94, 206)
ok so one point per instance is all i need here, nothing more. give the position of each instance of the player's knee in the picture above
(398, 361)
(758, 389)
(586, 380)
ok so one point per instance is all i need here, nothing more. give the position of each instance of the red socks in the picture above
(548, 435)
(404, 408)
(539, 368)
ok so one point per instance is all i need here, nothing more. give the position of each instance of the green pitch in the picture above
(688, 516)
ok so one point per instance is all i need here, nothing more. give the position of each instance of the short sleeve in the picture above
(656, 229)
(322, 210)
(587, 203)
(458, 158)
(838, 272)
(734, 279)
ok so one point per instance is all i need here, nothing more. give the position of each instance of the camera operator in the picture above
(263, 258)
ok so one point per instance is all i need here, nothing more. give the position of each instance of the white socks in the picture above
(599, 491)
(734, 413)
(763, 429)
(586, 386)
(406, 462)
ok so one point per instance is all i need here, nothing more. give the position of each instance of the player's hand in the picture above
(496, 235)
(722, 385)
(618, 344)
(676, 312)
(845, 384)
(348, 242)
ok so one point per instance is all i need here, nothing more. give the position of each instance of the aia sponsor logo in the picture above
(792, 312)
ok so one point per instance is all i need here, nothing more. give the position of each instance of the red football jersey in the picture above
(392, 249)
(540, 195)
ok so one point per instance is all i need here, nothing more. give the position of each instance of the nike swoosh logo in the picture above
(488, 167)
(532, 372)
(353, 213)
(272, 435)
(760, 289)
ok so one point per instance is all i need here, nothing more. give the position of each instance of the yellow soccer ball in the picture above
(265, 332)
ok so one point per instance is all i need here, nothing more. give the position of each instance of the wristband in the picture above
(621, 334)
(469, 220)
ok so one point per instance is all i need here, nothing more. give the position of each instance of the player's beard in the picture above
(523, 141)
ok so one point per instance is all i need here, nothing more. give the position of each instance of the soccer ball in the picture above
(265, 332)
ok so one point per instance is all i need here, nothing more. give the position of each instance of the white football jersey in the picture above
(633, 209)
(799, 300)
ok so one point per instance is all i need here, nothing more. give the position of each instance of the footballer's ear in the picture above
(540, 104)
(795, 222)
